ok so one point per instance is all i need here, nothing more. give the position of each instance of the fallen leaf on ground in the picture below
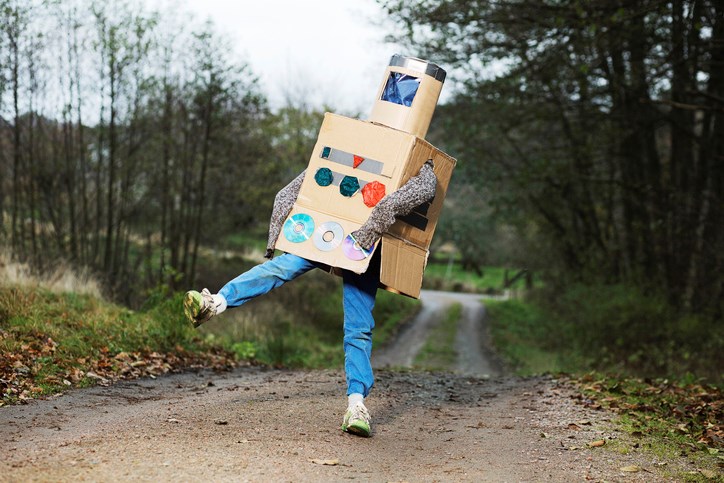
(708, 474)
(221, 421)
(172, 420)
(325, 462)
(95, 376)
(574, 427)
(597, 444)
(631, 469)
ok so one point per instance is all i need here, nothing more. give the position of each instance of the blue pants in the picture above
(359, 291)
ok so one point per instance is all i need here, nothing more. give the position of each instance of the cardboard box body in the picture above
(391, 157)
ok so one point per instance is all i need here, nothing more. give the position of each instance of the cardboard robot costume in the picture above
(331, 223)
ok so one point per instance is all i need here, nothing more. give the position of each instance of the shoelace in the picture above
(359, 411)
(208, 309)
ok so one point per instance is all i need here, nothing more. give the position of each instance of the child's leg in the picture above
(359, 292)
(263, 278)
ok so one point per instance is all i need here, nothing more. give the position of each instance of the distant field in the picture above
(445, 276)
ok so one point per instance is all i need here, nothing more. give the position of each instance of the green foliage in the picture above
(605, 327)
(245, 350)
(578, 128)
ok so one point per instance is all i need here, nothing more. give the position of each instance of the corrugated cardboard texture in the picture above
(414, 119)
(402, 266)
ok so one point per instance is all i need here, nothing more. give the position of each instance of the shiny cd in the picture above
(353, 251)
(298, 228)
(328, 236)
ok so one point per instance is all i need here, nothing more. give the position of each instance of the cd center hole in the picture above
(299, 227)
(328, 236)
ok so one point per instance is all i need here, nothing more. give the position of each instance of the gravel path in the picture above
(472, 344)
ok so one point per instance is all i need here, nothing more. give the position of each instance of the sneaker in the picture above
(199, 307)
(357, 420)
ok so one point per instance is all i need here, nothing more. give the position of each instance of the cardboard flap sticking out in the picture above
(402, 267)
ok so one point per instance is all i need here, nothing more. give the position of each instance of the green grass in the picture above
(670, 419)
(610, 328)
(525, 336)
(47, 338)
(443, 276)
(438, 352)
(391, 312)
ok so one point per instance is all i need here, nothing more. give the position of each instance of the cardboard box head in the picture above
(408, 94)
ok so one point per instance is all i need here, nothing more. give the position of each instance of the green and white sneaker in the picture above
(199, 307)
(357, 421)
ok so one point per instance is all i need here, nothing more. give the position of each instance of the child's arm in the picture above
(283, 203)
(417, 190)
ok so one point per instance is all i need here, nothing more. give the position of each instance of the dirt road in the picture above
(255, 424)
(472, 344)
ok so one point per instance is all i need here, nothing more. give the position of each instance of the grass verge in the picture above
(52, 341)
(439, 352)
(671, 419)
(675, 417)
(453, 277)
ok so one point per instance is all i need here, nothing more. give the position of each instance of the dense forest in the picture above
(590, 139)
(594, 129)
(130, 138)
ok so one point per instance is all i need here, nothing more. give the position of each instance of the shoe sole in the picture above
(192, 307)
(357, 430)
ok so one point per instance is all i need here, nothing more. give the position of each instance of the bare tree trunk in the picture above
(100, 148)
(69, 179)
(110, 209)
(85, 214)
(17, 232)
(706, 260)
(165, 184)
(208, 119)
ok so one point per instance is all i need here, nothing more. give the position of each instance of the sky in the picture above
(315, 51)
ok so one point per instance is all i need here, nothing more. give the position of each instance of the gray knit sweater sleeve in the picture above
(283, 203)
(417, 190)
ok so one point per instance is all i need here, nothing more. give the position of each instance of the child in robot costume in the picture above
(394, 109)
(359, 290)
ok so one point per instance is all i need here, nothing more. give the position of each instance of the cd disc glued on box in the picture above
(328, 236)
(353, 251)
(298, 228)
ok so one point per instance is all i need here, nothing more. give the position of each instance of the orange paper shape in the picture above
(357, 160)
(372, 193)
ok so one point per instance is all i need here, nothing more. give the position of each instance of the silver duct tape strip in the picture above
(419, 65)
(338, 177)
(347, 159)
